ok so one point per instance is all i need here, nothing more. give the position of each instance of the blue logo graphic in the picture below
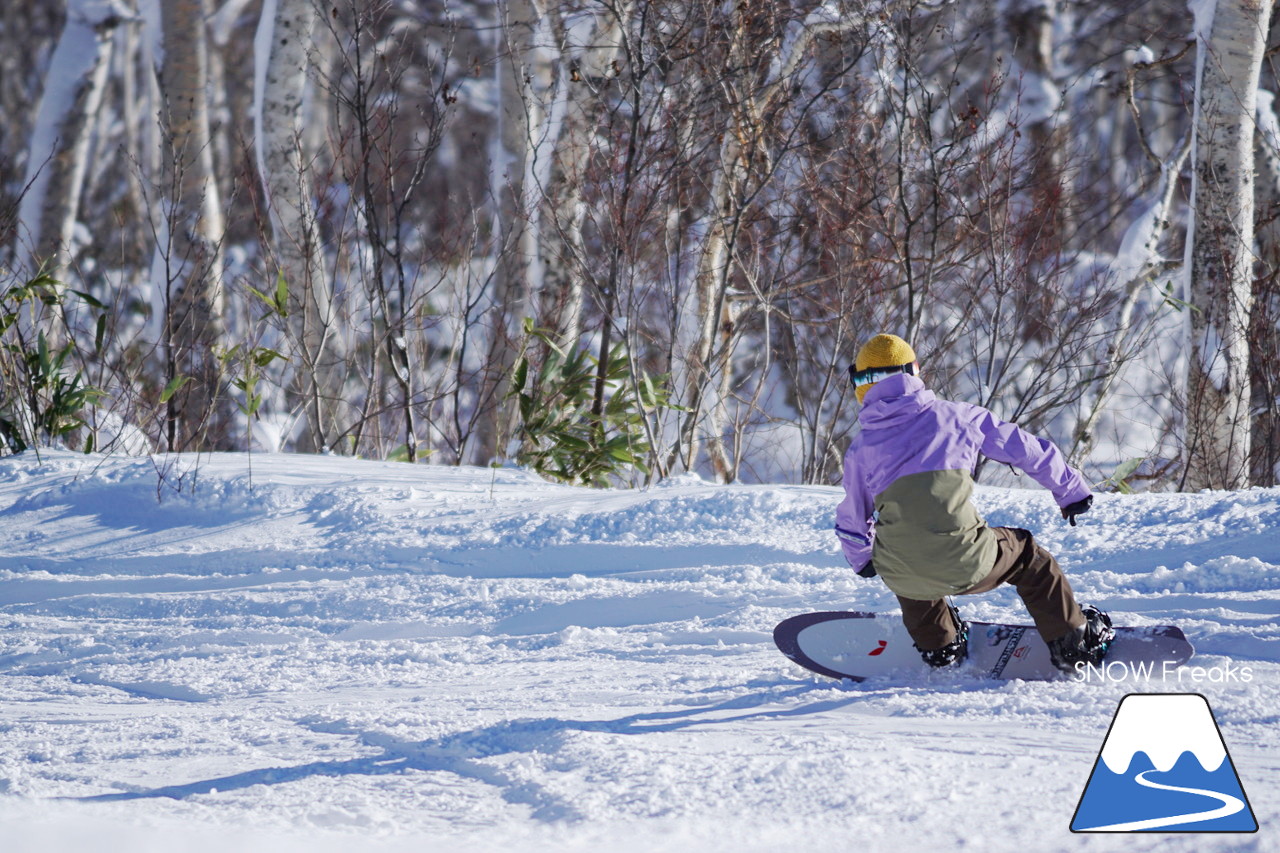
(1164, 767)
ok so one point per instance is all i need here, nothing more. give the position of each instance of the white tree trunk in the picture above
(283, 42)
(57, 154)
(712, 356)
(189, 154)
(193, 263)
(1232, 36)
(587, 67)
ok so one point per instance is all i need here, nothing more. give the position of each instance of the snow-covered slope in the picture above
(317, 654)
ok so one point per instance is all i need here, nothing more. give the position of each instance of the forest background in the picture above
(616, 241)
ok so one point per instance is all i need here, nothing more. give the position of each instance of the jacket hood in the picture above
(894, 401)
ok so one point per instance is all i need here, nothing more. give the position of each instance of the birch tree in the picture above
(1265, 339)
(1232, 37)
(589, 67)
(59, 145)
(283, 41)
(189, 260)
(742, 158)
(1032, 26)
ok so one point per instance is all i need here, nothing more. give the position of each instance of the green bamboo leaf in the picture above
(262, 356)
(88, 297)
(282, 295)
(266, 300)
(172, 388)
(618, 404)
(521, 374)
(61, 358)
(43, 281)
(227, 356)
(551, 367)
(1125, 469)
(570, 442)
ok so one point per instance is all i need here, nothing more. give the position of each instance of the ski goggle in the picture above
(874, 374)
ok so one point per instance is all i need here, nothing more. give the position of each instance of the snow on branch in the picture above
(1138, 257)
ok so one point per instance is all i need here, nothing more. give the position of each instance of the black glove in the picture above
(1070, 511)
(868, 571)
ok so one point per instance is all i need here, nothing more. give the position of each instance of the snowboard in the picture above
(858, 646)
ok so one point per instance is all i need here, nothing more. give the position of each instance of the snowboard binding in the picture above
(955, 651)
(1087, 644)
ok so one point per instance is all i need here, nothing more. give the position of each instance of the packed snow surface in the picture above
(318, 654)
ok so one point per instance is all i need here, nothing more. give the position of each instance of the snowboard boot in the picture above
(1087, 644)
(953, 652)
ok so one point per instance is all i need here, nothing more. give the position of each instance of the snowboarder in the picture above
(907, 517)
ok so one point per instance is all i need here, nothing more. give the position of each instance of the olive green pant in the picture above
(1020, 561)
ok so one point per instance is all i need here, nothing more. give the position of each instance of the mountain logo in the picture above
(1164, 766)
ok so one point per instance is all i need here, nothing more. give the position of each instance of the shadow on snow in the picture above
(463, 754)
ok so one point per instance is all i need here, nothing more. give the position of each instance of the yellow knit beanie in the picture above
(882, 351)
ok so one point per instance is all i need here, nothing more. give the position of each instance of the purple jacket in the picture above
(911, 466)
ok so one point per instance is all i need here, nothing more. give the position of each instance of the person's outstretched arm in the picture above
(1039, 458)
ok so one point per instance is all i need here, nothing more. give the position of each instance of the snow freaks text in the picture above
(1162, 671)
